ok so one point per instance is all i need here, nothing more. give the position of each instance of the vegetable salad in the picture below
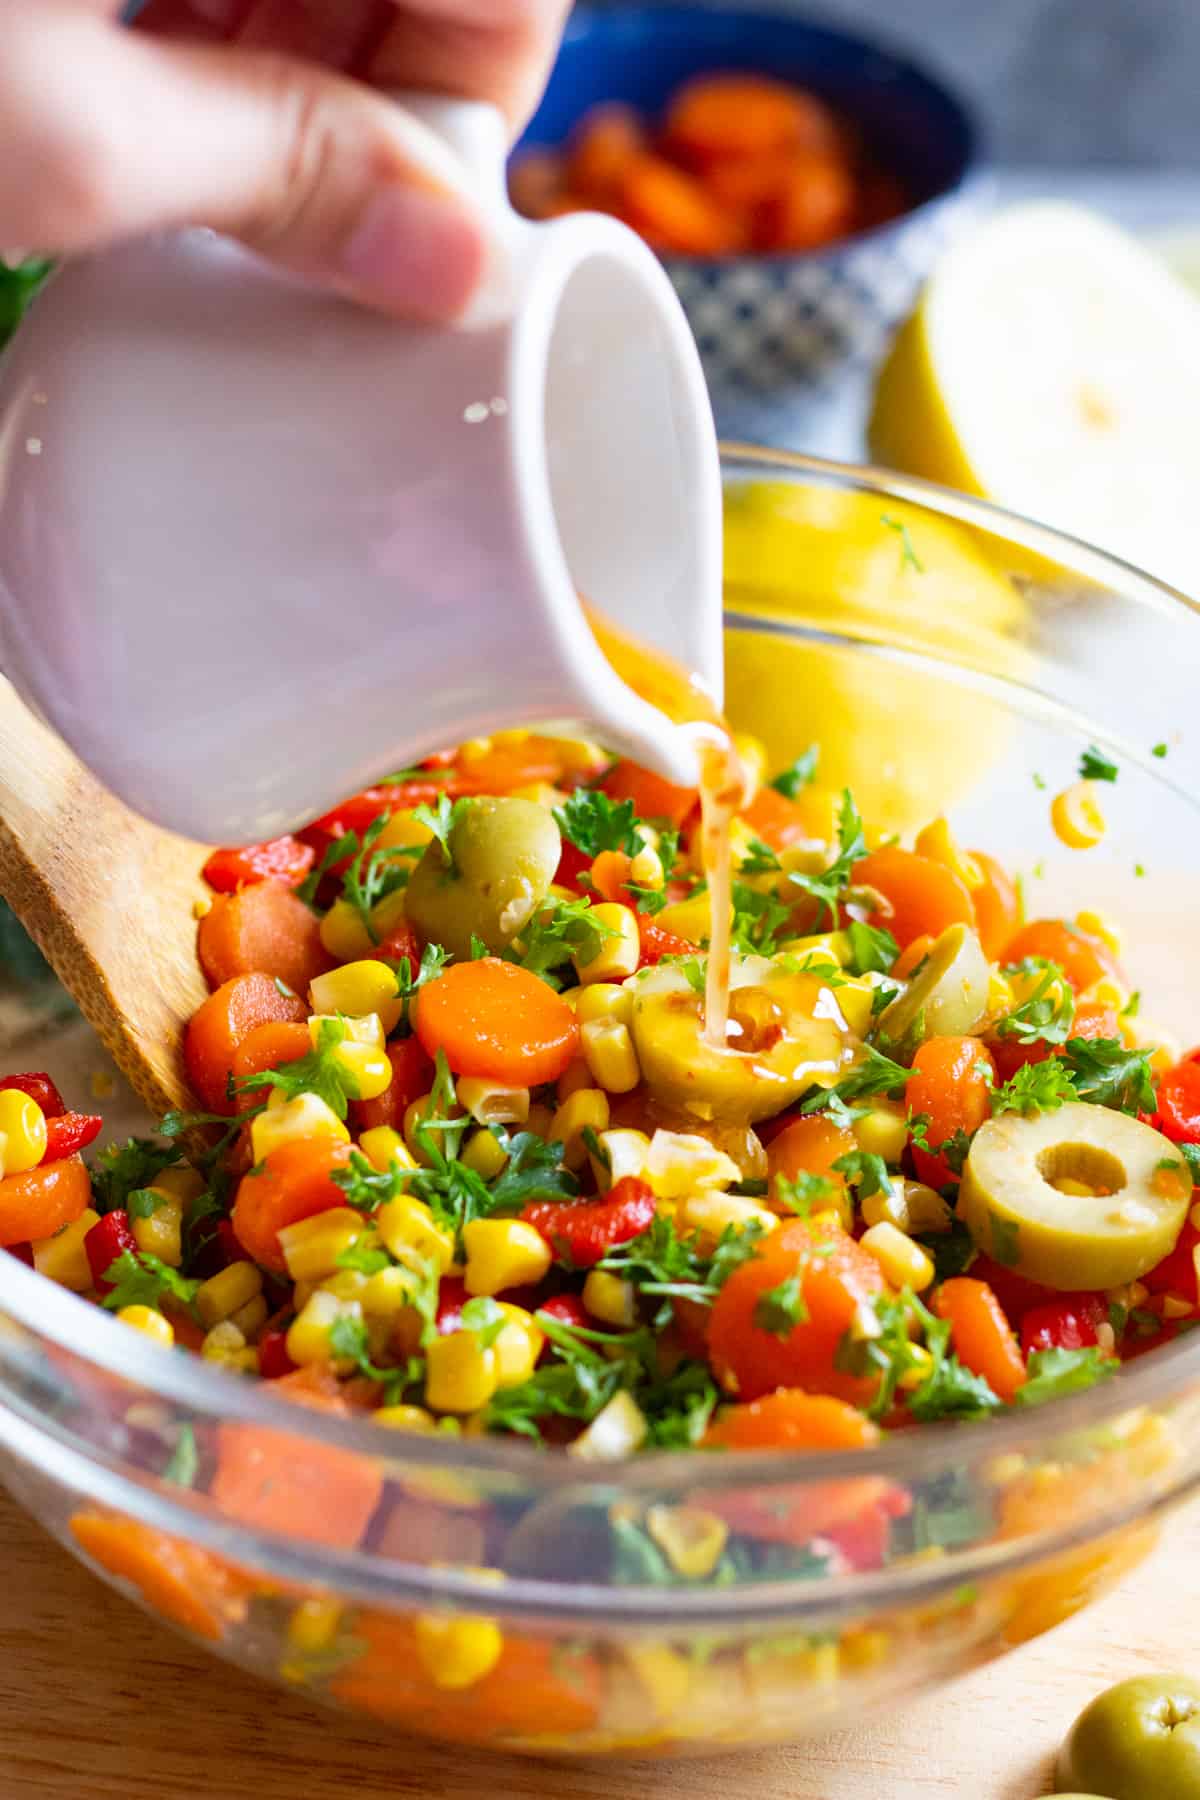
(463, 1159)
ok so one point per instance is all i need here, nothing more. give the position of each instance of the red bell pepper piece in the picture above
(39, 1087)
(452, 1297)
(23, 1253)
(581, 1231)
(657, 943)
(69, 1133)
(282, 859)
(273, 1359)
(1069, 1322)
(104, 1243)
(568, 1309)
(1179, 1103)
(401, 945)
(1176, 1273)
(356, 813)
(573, 863)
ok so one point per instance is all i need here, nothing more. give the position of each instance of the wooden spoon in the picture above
(107, 898)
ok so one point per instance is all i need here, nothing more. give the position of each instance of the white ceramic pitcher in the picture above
(259, 546)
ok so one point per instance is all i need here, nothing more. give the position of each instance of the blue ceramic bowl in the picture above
(794, 319)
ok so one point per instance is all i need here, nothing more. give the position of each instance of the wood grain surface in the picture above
(106, 897)
(98, 1702)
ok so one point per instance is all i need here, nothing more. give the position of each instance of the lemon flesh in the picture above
(1053, 364)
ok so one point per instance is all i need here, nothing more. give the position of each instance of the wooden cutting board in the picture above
(97, 1702)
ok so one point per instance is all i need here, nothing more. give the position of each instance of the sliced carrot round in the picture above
(284, 1482)
(218, 1028)
(40, 1201)
(811, 1146)
(951, 1083)
(923, 897)
(261, 929)
(1082, 959)
(495, 1020)
(791, 1419)
(653, 798)
(179, 1581)
(294, 1182)
(268, 1046)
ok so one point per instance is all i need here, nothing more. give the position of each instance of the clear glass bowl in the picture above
(947, 654)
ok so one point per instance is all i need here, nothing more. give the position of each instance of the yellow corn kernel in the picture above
(202, 908)
(150, 1322)
(618, 955)
(62, 1258)
(160, 1233)
(415, 1115)
(912, 1207)
(625, 1153)
(313, 1625)
(404, 1418)
(575, 1076)
(865, 1648)
(517, 1346)
(408, 1229)
(681, 1163)
(403, 830)
(224, 1343)
(1000, 998)
(1165, 1049)
(904, 1263)
(610, 1056)
(222, 1295)
(460, 1376)
(366, 1067)
(753, 754)
(645, 869)
(386, 915)
(713, 1212)
(491, 1103)
(343, 932)
(457, 1652)
(690, 919)
(385, 1149)
(540, 1120)
(181, 1182)
(940, 845)
(503, 1253)
(617, 1430)
(388, 1292)
(587, 1107)
(473, 750)
(604, 1000)
(664, 1674)
(1107, 992)
(345, 1284)
(305, 1116)
(1076, 816)
(251, 1317)
(1075, 1190)
(610, 1299)
(692, 1540)
(823, 946)
(1174, 1306)
(308, 1335)
(23, 1127)
(882, 1132)
(1100, 925)
(484, 1153)
(920, 1365)
(312, 1246)
(367, 1030)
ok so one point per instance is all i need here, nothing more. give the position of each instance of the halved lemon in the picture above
(1053, 364)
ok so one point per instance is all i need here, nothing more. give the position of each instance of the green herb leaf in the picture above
(866, 1173)
(121, 1170)
(594, 823)
(558, 934)
(780, 1309)
(184, 1463)
(1106, 1073)
(799, 774)
(877, 1074)
(759, 859)
(830, 886)
(1041, 1087)
(908, 556)
(1095, 766)
(1048, 1014)
(872, 948)
(141, 1280)
(1054, 1373)
(805, 1193)
(318, 1073)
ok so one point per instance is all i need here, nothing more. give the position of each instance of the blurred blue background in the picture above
(1083, 82)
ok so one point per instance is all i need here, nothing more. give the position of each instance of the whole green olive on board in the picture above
(504, 853)
(1139, 1740)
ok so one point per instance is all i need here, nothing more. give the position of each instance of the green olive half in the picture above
(947, 997)
(787, 1033)
(1139, 1740)
(503, 856)
(1136, 1189)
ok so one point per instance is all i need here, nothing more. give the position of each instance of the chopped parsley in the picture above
(908, 556)
(556, 935)
(484, 1317)
(372, 874)
(1039, 1087)
(320, 1072)
(805, 1193)
(1095, 766)
(760, 921)
(1054, 1373)
(183, 1465)
(121, 1170)
(866, 1173)
(873, 949)
(1106, 1073)
(936, 1384)
(594, 823)
(348, 1343)
(1160, 750)
(799, 774)
(441, 820)
(1047, 1015)
(780, 1309)
(829, 888)
(877, 1074)
(141, 1280)
(759, 859)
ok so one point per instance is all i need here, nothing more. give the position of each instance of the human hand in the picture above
(263, 119)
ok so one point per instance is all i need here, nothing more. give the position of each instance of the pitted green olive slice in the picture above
(947, 997)
(1127, 1191)
(504, 854)
(787, 1034)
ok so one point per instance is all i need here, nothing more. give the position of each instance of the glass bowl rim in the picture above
(69, 1321)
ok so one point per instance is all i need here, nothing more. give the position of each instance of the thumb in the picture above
(317, 172)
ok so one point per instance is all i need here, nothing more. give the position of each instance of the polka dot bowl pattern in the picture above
(785, 321)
